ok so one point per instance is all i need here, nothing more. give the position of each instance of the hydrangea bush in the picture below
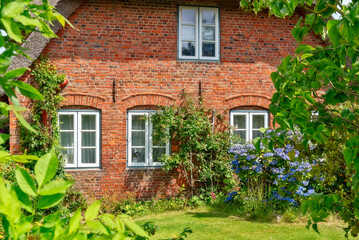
(286, 175)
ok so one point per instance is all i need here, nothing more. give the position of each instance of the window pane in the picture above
(67, 139)
(241, 134)
(68, 155)
(188, 33)
(157, 153)
(88, 139)
(138, 122)
(66, 122)
(208, 33)
(208, 50)
(158, 144)
(258, 121)
(256, 133)
(188, 16)
(208, 17)
(239, 121)
(138, 155)
(88, 155)
(88, 122)
(188, 49)
(138, 138)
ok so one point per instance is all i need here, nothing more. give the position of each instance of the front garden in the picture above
(301, 174)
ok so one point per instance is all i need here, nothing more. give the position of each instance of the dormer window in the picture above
(198, 33)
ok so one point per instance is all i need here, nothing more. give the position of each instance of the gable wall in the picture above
(132, 45)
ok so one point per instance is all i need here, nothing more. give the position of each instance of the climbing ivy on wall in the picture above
(43, 117)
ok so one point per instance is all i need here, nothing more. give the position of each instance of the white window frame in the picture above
(249, 121)
(77, 137)
(198, 33)
(148, 140)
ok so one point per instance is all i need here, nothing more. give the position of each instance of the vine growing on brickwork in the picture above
(201, 139)
(43, 117)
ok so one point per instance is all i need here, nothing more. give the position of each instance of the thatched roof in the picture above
(36, 42)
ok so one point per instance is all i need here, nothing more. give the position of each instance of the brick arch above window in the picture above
(248, 100)
(79, 99)
(147, 99)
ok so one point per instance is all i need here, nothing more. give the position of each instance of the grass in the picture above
(208, 225)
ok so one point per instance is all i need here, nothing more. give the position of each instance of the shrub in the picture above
(280, 173)
(201, 148)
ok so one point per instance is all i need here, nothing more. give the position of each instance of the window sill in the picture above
(145, 168)
(83, 169)
(198, 60)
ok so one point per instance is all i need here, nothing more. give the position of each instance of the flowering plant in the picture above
(285, 173)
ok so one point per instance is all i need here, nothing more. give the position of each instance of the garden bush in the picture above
(201, 139)
(274, 174)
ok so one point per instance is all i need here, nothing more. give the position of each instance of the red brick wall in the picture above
(134, 44)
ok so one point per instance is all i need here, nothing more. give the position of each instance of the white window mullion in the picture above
(250, 127)
(76, 157)
(79, 141)
(147, 151)
(150, 147)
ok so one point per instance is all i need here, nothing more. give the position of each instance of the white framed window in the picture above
(80, 137)
(247, 124)
(142, 151)
(198, 33)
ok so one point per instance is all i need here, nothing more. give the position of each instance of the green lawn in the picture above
(217, 226)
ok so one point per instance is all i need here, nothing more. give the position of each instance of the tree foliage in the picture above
(317, 92)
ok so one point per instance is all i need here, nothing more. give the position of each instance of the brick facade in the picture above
(123, 55)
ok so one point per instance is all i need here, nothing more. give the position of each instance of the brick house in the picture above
(126, 57)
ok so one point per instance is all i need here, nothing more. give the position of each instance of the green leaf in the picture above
(134, 228)
(24, 199)
(263, 130)
(27, 90)
(108, 219)
(316, 85)
(46, 202)
(45, 168)
(75, 222)
(306, 55)
(12, 95)
(304, 207)
(315, 227)
(25, 181)
(333, 32)
(348, 156)
(92, 211)
(24, 158)
(3, 138)
(27, 21)
(309, 98)
(12, 9)
(46, 30)
(14, 73)
(4, 156)
(304, 48)
(12, 29)
(328, 201)
(55, 187)
(51, 220)
(257, 143)
(323, 214)
(98, 226)
(23, 122)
